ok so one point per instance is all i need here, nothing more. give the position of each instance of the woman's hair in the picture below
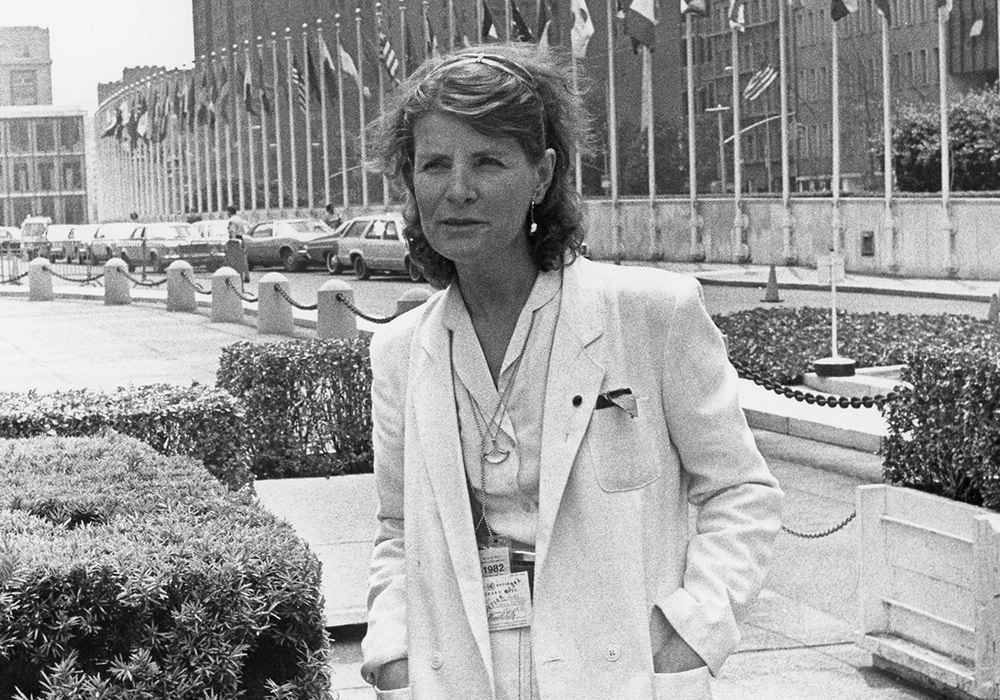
(516, 91)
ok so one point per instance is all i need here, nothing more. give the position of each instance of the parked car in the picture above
(34, 242)
(157, 245)
(103, 246)
(213, 228)
(282, 242)
(75, 246)
(323, 250)
(10, 239)
(375, 243)
(57, 235)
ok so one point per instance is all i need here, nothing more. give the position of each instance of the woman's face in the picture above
(473, 191)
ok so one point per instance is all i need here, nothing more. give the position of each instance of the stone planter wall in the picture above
(929, 589)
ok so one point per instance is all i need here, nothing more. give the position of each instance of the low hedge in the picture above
(782, 343)
(127, 574)
(197, 421)
(944, 432)
(307, 402)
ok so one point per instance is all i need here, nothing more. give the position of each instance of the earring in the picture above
(532, 226)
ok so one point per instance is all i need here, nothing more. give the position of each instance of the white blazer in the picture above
(613, 537)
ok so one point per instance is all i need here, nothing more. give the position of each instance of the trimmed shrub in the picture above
(944, 432)
(197, 421)
(782, 343)
(127, 574)
(307, 402)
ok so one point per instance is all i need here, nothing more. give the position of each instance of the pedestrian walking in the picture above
(543, 423)
(235, 255)
(332, 218)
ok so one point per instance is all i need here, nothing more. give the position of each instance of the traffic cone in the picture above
(771, 294)
(993, 315)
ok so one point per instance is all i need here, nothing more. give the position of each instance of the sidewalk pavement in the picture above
(798, 639)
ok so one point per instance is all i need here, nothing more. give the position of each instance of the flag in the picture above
(329, 69)
(389, 60)
(411, 53)
(883, 7)
(488, 32)
(114, 123)
(697, 7)
(190, 108)
(737, 18)
(225, 89)
(347, 65)
(248, 86)
(583, 27)
(519, 28)
(760, 81)
(165, 110)
(300, 84)
(140, 130)
(640, 22)
(431, 48)
(544, 23)
(841, 8)
(944, 7)
(262, 94)
(313, 76)
(206, 106)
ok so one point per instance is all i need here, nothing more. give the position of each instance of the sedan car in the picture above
(10, 239)
(213, 228)
(75, 247)
(282, 242)
(158, 245)
(323, 250)
(108, 237)
(375, 243)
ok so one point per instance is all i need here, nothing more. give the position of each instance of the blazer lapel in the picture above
(573, 372)
(437, 427)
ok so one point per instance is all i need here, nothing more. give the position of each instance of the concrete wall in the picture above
(919, 245)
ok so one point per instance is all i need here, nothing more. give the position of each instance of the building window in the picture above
(22, 209)
(20, 140)
(22, 182)
(23, 87)
(48, 207)
(75, 209)
(923, 67)
(45, 137)
(47, 175)
(69, 135)
(72, 174)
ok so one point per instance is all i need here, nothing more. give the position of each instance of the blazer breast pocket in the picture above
(620, 449)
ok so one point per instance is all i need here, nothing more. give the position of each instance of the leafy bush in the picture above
(129, 575)
(783, 343)
(307, 402)
(197, 421)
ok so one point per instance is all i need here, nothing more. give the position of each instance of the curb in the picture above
(848, 289)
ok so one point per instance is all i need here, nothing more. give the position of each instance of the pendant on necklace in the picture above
(495, 455)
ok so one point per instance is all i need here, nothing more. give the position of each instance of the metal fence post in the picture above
(334, 319)
(275, 313)
(116, 284)
(39, 280)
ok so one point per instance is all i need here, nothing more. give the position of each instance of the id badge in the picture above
(494, 557)
(508, 601)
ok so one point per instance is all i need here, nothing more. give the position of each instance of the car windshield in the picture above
(216, 229)
(170, 232)
(314, 226)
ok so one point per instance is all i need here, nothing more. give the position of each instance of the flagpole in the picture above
(612, 130)
(887, 167)
(507, 20)
(451, 26)
(479, 23)
(340, 109)
(647, 104)
(279, 165)
(786, 199)
(835, 179)
(186, 142)
(381, 97)
(943, 12)
(577, 156)
(149, 204)
(264, 164)
(233, 116)
(426, 26)
(197, 139)
(692, 150)
(361, 109)
(402, 38)
(308, 115)
(737, 148)
(251, 159)
(226, 113)
(217, 134)
(292, 160)
(323, 98)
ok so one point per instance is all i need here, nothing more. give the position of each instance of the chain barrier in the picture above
(823, 533)
(85, 280)
(245, 297)
(12, 280)
(283, 294)
(361, 314)
(810, 398)
(143, 283)
(197, 287)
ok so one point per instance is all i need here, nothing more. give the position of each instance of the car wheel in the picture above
(361, 270)
(290, 262)
(156, 264)
(333, 264)
(414, 271)
(250, 266)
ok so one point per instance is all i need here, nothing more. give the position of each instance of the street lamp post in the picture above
(719, 109)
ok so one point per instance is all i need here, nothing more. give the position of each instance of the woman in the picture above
(543, 408)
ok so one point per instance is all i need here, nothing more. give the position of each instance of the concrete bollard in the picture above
(411, 299)
(333, 319)
(275, 315)
(227, 307)
(39, 281)
(180, 293)
(117, 291)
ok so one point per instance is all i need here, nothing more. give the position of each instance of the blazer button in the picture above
(437, 660)
(577, 400)
(613, 652)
